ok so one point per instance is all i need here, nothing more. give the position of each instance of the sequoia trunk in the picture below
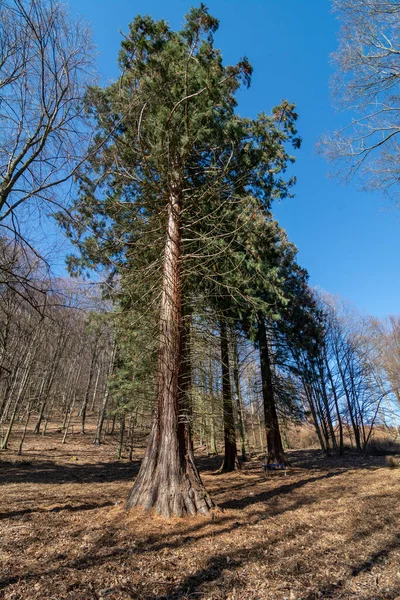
(274, 441)
(168, 480)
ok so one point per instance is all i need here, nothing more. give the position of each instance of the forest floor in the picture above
(329, 529)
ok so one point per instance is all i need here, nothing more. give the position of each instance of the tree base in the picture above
(172, 488)
(172, 498)
(229, 466)
(278, 459)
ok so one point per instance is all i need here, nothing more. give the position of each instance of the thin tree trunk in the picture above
(230, 457)
(96, 385)
(210, 390)
(350, 408)
(102, 413)
(71, 410)
(320, 413)
(238, 395)
(69, 419)
(46, 422)
(121, 436)
(132, 424)
(338, 415)
(307, 390)
(322, 387)
(213, 441)
(110, 430)
(9, 395)
(47, 389)
(253, 428)
(89, 384)
(261, 428)
(28, 414)
(18, 399)
(185, 382)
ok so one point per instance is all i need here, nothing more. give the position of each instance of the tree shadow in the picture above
(365, 566)
(51, 472)
(155, 544)
(278, 491)
(220, 566)
(314, 459)
(213, 570)
(53, 509)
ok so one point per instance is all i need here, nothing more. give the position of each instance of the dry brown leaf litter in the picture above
(330, 529)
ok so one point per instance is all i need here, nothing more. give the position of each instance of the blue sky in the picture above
(347, 239)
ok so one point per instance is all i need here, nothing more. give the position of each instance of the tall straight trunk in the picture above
(96, 385)
(239, 404)
(322, 387)
(350, 407)
(253, 428)
(87, 392)
(9, 396)
(132, 425)
(275, 450)
(335, 397)
(110, 429)
(6, 396)
(320, 413)
(49, 383)
(70, 389)
(48, 416)
(213, 439)
(168, 480)
(21, 391)
(121, 436)
(102, 412)
(261, 427)
(307, 389)
(230, 456)
(28, 415)
(72, 405)
(102, 415)
(69, 418)
(210, 391)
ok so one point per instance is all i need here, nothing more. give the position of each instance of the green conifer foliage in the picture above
(173, 165)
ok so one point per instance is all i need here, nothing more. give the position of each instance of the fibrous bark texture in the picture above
(168, 480)
(275, 450)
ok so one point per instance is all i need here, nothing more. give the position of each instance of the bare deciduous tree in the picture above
(366, 83)
(45, 65)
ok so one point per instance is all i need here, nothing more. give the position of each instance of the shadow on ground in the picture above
(39, 471)
(52, 472)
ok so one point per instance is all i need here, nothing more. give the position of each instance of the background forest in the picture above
(172, 209)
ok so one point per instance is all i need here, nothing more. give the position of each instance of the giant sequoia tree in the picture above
(172, 152)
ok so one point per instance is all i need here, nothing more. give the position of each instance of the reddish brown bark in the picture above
(275, 450)
(168, 480)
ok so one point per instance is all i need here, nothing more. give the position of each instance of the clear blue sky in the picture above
(347, 239)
